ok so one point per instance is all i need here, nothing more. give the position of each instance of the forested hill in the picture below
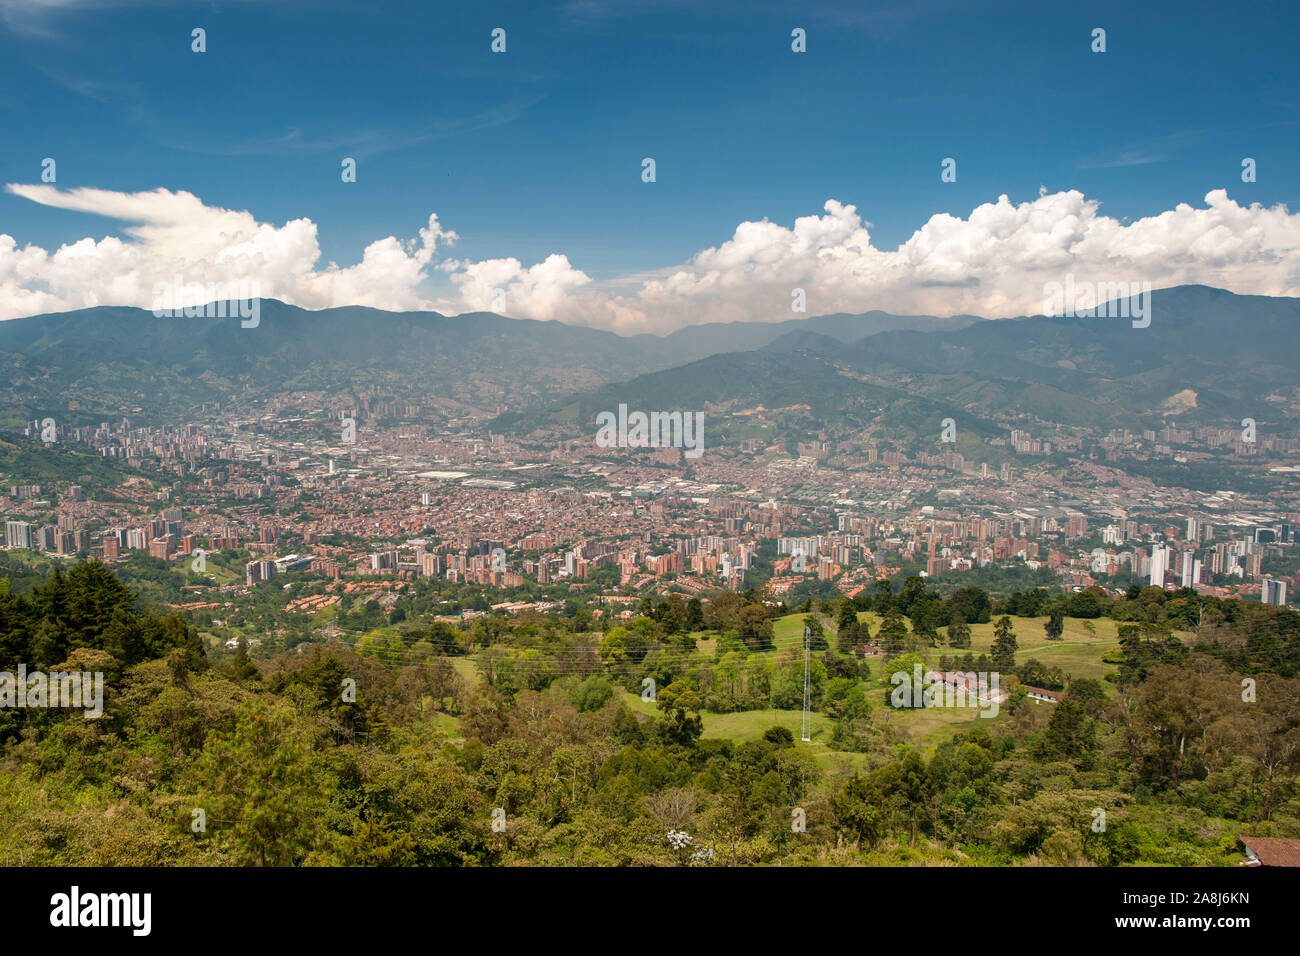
(528, 741)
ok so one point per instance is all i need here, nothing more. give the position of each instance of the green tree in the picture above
(245, 669)
(816, 633)
(261, 786)
(959, 633)
(1070, 734)
(681, 706)
(1004, 646)
(846, 615)
(754, 627)
(857, 808)
(893, 635)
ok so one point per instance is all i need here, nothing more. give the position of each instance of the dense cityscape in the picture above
(530, 521)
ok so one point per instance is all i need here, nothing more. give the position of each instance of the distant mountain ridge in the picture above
(1208, 355)
(712, 338)
(1239, 355)
(110, 360)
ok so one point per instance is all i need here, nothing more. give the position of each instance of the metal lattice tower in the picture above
(807, 661)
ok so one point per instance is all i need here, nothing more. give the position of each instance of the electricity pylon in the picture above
(807, 662)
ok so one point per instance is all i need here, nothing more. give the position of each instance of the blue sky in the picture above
(538, 150)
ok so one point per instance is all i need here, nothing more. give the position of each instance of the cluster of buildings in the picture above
(406, 502)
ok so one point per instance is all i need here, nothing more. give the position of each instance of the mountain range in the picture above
(1208, 355)
(101, 363)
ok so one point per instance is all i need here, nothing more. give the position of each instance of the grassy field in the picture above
(1079, 653)
(923, 729)
(467, 669)
(752, 724)
(927, 728)
(445, 724)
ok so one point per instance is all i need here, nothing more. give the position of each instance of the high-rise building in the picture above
(1273, 592)
(1159, 565)
(1254, 564)
(256, 571)
(805, 546)
(175, 521)
(18, 534)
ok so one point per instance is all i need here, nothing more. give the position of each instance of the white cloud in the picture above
(994, 262)
(504, 285)
(175, 234)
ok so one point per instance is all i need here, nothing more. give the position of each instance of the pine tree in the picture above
(244, 668)
(893, 635)
(959, 633)
(1003, 651)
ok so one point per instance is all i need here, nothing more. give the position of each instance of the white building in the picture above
(1273, 592)
(18, 534)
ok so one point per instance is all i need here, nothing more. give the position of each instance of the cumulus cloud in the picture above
(994, 262)
(542, 291)
(173, 234)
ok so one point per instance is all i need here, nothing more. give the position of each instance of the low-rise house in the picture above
(1041, 694)
(1270, 851)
